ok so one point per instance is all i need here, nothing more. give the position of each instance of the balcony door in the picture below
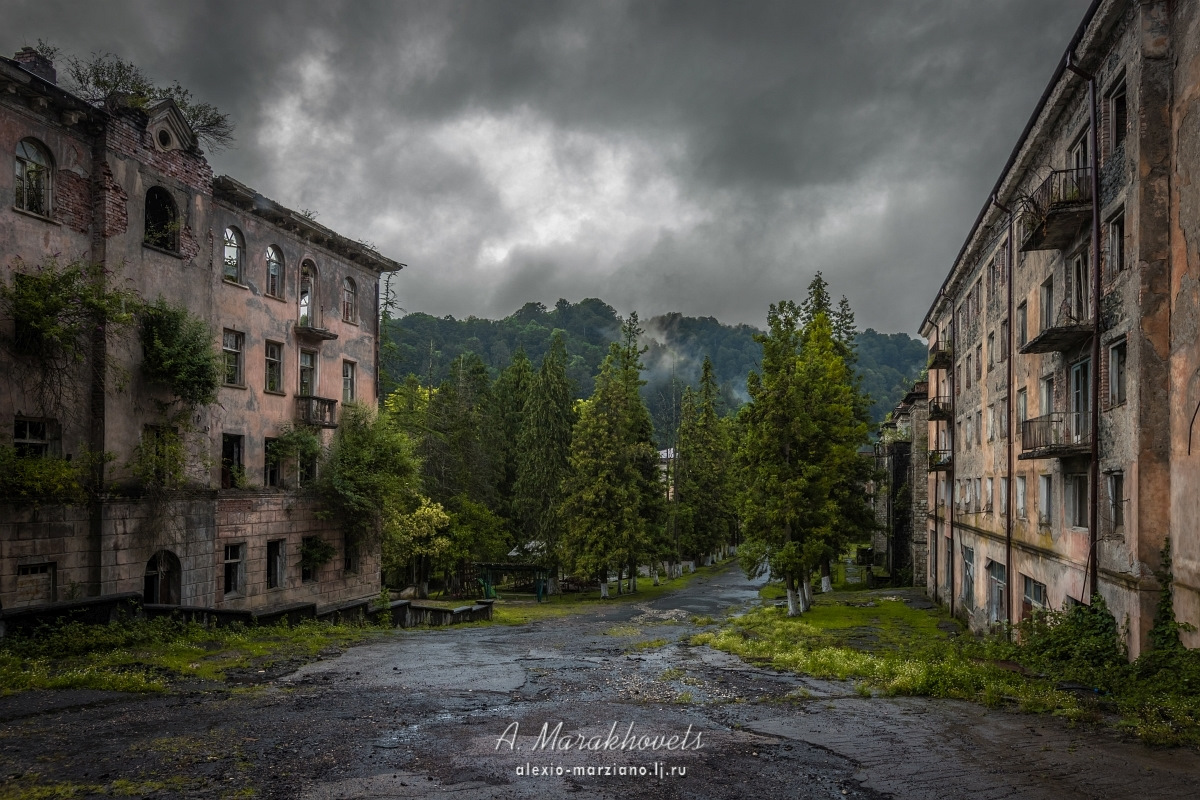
(1081, 388)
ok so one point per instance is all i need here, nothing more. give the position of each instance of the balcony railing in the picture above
(1057, 435)
(940, 408)
(941, 354)
(1070, 328)
(1057, 210)
(940, 460)
(319, 411)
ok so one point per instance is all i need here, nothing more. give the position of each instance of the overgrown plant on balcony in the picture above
(295, 444)
(179, 352)
(369, 476)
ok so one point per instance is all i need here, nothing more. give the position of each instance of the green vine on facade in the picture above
(179, 352)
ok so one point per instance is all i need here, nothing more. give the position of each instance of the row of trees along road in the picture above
(517, 464)
(801, 499)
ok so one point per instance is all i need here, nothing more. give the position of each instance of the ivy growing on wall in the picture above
(179, 352)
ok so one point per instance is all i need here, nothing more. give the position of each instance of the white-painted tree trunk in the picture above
(806, 591)
(826, 584)
(633, 582)
(793, 602)
(603, 590)
(552, 586)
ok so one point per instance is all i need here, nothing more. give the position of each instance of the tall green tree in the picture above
(800, 435)
(543, 457)
(703, 489)
(510, 395)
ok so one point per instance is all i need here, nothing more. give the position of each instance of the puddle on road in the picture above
(394, 739)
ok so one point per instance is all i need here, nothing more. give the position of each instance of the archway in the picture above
(162, 579)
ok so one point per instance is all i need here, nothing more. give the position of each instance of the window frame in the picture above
(1116, 243)
(1118, 380)
(349, 300)
(311, 370)
(234, 565)
(233, 356)
(23, 163)
(1118, 128)
(233, 255)
(276, 564)
(166, 240)
(26, 441)
(275, 285)
(349, 381)
(277, 363)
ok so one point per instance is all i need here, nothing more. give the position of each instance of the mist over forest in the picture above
(428, 347)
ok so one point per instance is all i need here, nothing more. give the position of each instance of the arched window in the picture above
(33, 178)
(161, 582)
(274, 271)
(234, 248)
(162, 220)
(308, 295)
(349, 300)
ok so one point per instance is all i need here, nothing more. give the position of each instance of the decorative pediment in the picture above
(168, 127)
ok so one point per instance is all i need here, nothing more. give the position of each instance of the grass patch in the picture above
(652, 644)
(622, 630)
(148, 655)
(1070, 663)
(519, 612)
(672, 674)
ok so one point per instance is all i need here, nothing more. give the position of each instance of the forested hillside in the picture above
(427, 346)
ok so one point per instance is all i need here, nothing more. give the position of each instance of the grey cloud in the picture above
(777, 126)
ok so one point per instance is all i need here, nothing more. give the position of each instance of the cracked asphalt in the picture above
(431, 713)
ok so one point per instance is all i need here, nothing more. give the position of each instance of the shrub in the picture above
(179, 353)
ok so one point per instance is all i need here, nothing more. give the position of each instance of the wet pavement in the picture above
(460, 712)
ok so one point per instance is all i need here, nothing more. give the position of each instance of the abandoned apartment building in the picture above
(291, 305)
(900, 540)
(1064, 371)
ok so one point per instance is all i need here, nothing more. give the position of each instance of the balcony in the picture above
(941, 355)
(1057, 435)
(318, 411)
(940, 460)
(305, 330)
(1057, 211)
(940, 409)
(1069, 330)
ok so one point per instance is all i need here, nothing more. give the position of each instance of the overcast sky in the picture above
(692, 156)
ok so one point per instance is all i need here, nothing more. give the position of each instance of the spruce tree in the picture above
(543, 449)
(703, 486)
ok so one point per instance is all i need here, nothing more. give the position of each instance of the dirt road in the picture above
(460, 713)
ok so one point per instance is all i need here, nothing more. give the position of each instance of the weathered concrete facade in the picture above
(901, 458)
(1063, 342)
(293, 308)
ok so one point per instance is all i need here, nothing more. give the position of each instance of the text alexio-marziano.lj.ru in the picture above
(554, 740)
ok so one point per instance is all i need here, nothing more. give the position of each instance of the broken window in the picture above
(234, 566)
(1077, 500)
(1116, 243)
(162, 220)
(234, 248)
(1022, 325)
(308, 572)
(1045, 500)
(308, 290)
(276, 564)
(348, 380)
(1047, 302)
(308, 373)
(968, 578)
(991, 349)
(161, 581)
(997, 592)
(1118, 115)
(270, 462)
(350, 552)
(232, 471)
(1116, 499)
(274, 367)
(274, 272)
(33, 178)
(31, 437)
(349, 300)
(232, 343)
(1035, 596)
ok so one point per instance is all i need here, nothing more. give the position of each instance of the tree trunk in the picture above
(633, 571)
(806, 592)
(826, 577)
(604, 588)
(552, 586)
(654, 573)
(792, 599)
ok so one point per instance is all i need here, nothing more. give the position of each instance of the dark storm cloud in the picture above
(695, 156)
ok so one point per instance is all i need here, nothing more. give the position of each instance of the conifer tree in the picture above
(543, 448)
(510, 394)
(702, 485)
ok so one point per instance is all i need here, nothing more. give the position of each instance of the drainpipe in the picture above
(1094, 477)
(1008, 412)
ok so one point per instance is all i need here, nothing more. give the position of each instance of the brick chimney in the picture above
(33, 61)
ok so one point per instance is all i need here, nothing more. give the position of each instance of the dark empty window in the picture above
(32, 178)
(232, 472)
(274, 367)
(308, 275)
(233, 569)
(162, 220)
(275, 564)
(270, 462)
(31, 438)
(1118, 114)
(232, 343)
